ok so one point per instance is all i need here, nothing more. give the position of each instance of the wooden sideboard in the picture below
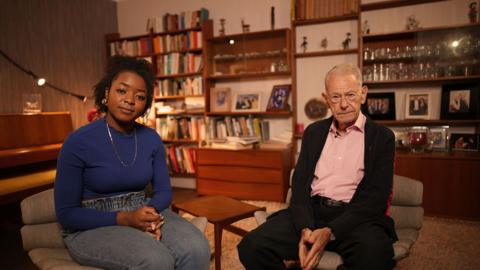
(244, 174)
(451, 181)
(29, 146)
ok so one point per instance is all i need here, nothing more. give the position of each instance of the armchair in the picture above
(41, 234)
(406, 211)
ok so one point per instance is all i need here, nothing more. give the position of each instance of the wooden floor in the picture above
(12, 256)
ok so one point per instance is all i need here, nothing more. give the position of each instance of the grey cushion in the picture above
(39, 208)
(407, 216)
(46, 235)
(407, 191)
(55, 258)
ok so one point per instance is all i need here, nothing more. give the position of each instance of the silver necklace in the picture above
(115, 148)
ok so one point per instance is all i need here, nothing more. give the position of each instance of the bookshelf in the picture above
(246, 58)
(177, 56)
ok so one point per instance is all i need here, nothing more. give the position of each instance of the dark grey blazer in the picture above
(369, 201)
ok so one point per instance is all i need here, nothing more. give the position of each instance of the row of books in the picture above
(180, 159)
(176, 63)
(181, 42)
(138, 47)
(188, 86)
(181, 128)
(317, 9)
(221, 128)
(175, 22)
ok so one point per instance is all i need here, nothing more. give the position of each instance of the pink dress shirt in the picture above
(341, 166)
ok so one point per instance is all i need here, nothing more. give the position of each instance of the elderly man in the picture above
(341, 188)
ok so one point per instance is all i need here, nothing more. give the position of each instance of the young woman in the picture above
(103, 169)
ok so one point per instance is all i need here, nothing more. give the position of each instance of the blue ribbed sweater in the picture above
(87, 168)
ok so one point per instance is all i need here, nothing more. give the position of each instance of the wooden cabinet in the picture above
(245, 174)
(450, 181)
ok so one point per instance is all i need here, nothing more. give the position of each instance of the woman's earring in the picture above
(104, 101)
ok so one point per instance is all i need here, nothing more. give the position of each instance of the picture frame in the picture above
(439, 138)
(220, 99)
(464, 142)
(380, 106)
(278, 100)
(418, 105)
(247, 102)
(460, 101)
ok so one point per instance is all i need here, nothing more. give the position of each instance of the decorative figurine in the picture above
(346, 42)
(272, 18)
(365, 28)
(222, 27)
(304, 44)
(472, 12)
(324, 43)
(412, 23)
(245, 27)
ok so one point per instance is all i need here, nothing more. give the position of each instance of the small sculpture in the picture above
(412, 23)
(472, 12)
(324, 43)
(222, 27)
(346, 42)
(365, 28)
(245, 27)
(304, 44)
(272, 18)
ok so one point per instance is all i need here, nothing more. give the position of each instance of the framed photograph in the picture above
(439, 138)
(460, 101)
(464, 142)
(247, 102)
(220, 100)
(418, 106)
(380, 106)
(279, 98)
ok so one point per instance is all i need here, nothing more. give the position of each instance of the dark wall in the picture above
(61, 40)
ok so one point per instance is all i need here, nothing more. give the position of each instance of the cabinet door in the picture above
(450, 185)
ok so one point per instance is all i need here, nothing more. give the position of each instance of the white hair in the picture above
(344, 69)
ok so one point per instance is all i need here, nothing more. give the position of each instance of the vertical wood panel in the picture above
(63, 41)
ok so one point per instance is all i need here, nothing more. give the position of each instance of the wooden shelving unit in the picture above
(326, 53)
(177, 97)
(393, 4)
(279, 114)
(247, 57)
(346, 17)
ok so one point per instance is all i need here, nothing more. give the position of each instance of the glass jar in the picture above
(417, 139)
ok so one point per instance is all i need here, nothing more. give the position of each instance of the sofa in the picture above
(41, 234)
(405, 209)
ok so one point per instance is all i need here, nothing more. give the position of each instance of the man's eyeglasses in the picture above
(351, 96)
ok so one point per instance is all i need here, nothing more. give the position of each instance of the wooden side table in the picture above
(221, 211)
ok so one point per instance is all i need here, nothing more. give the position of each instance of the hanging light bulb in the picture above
(41, 81)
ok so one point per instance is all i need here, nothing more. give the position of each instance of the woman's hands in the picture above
(144, 218)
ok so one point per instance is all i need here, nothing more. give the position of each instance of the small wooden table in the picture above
(221, 211)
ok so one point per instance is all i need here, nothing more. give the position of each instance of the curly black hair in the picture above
(118, 64)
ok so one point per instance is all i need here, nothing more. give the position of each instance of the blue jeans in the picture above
(181, 247)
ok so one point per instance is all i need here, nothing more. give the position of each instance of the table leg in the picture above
(218, 245)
